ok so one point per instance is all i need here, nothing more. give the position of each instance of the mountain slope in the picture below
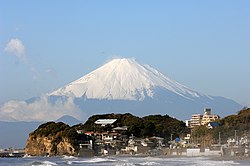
(124, 85)
(68, 120)
(119, 86)
(123, 79)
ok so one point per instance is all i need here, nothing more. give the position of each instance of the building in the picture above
(187, 138)
(120, 129)
(188, 123)
(198, 119)
(208, 117)
(212, 125)
(104, 122)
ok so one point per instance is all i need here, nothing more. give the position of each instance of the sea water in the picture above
(117, 161)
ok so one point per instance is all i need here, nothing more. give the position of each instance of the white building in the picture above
(105, 122)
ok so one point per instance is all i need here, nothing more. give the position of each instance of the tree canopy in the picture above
(152, 125)
(231, 125)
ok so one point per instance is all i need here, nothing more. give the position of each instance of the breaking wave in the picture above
(119, 161)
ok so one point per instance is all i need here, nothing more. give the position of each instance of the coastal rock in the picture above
(43, 146)
(52, 139)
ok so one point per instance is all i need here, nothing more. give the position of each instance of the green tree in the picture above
(149, 129)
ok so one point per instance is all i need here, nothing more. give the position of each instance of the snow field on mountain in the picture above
(123, 79)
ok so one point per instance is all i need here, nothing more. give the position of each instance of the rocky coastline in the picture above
(52, 139)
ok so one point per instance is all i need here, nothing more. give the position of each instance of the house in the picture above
(104, 122)
(86, 145)
(120, 129)
(147, 142)
(108, 137)
(187, 138)
(158, 141)
(97, 135)
(212, 125)
(136, 146)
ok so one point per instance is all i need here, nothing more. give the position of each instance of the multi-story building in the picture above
(208, 117)
(198, 119)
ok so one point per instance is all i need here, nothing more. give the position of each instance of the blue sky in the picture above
(204, 45)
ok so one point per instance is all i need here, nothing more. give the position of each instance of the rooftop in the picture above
(104, 122)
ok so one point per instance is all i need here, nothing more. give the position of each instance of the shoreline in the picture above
(229, 158)
(215, 158)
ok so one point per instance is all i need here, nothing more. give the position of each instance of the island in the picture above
(126, 134)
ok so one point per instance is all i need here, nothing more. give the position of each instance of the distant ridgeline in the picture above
(58, 138)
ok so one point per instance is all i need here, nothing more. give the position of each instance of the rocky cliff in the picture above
(53, 139)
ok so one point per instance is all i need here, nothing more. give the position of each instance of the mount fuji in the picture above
(119, 86)
(124, 85)
(123, 79)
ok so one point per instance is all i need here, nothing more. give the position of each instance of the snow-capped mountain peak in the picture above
(123, 79)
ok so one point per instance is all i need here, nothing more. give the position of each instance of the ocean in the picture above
(118, 161)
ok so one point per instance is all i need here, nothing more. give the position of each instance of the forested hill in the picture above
(152, 125)
(230, 127)
(239, 122)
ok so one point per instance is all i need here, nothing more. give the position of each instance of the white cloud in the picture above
(15, 47)
(39, 110)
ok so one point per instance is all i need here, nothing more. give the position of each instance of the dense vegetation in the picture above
(231, 126)
(59, 131)
(152, 125)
